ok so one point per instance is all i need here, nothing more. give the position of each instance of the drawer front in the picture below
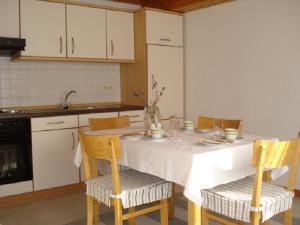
(134, 116)
(84, 118)
(54, 123)
(164, 28)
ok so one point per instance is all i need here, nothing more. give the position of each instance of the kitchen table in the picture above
(185, 161)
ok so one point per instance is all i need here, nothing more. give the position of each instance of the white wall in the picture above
(242, 60)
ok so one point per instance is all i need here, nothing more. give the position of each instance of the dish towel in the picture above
(78, 156)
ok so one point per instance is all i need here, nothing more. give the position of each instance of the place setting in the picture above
(222, 137)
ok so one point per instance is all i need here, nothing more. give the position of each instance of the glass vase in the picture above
(152, 118)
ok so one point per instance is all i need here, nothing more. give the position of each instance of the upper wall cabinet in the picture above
(120, 35)
(74, 32)
(164, 28)
(9, 18)
(43, 26)
(86, 32)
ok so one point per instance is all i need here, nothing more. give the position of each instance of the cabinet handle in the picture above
(73, 138)
(138, 94)
(73, 45)
(112, 48)
(60, 41)
(165, 39)
(58, 122)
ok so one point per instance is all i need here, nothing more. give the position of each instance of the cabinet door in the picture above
(164, 28)
(9, 18)
(52, 154)
(86, 31)
(120, 35)
(134, 116)
(43, 26)
(166, 65)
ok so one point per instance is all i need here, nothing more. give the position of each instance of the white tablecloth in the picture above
(187, 162)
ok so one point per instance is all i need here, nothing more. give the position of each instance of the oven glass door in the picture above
(15, 158)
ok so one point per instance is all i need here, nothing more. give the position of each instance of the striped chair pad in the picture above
(233, 200)
(137, 189)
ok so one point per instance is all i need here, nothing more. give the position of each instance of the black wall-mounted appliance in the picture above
(10, 46)
(15, 150)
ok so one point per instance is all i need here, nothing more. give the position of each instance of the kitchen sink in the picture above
(9, 111)
(81, 108)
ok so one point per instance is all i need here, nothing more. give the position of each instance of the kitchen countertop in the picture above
(75, 110)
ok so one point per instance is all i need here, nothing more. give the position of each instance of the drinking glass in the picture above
(174, 126)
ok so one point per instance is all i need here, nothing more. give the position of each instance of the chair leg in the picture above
(96, 211)
(164, 212)
(131, 221)
(90, 210)
(255, 218)
(118, 212)
(205, 220)
(172, 202)
(288, 219)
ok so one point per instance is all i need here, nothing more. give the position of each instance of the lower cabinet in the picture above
(53, 152)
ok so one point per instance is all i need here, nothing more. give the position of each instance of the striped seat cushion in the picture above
(137, 189)
(233, 200)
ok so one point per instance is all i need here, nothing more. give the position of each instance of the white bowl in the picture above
(231, 131)
(156, 133)
(231, 137)
(189, 127)
(156, 136)
(188, 123)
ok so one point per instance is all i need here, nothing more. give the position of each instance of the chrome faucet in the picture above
(67, 105)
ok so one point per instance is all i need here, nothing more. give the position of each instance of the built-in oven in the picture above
(15, 150)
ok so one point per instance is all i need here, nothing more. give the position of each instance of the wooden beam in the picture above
(176, 5)
(185, 5)
(135, 2)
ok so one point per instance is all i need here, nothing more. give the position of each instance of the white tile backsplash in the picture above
(30, 83)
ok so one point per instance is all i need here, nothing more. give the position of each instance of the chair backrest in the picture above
(101, 147)
(209, 123)
(271, 155)
(231, 124)
(108, 123)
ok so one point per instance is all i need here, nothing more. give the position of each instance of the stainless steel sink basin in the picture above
(81, 108)
(9, 111)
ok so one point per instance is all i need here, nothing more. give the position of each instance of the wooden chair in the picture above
(209, 123)
(123, 122)
(231, 124)
(124, 190)
(97, 124)
(108, 123)
(251, 199)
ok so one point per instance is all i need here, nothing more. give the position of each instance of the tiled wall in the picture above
(25, 83)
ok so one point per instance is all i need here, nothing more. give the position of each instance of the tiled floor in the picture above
(70, 209)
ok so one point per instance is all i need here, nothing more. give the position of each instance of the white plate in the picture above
(214, 142)
(203, 131)
(163, 138)
(132, 137)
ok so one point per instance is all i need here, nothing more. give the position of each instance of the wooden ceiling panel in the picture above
(176, 5)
